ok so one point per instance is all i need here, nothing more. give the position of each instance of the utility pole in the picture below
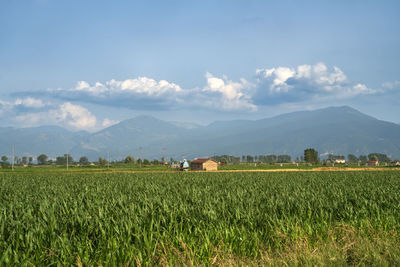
(13, 158)
(67, 159)
(140, 157)
(108, 162)
(164, 154)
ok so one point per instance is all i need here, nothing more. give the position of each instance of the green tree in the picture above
(311, 155)
(139, 161)
(4, 159)
(284, 159)
(83, 161)
(129, 159)
(363, 159)
(352, 158)
(30, 160)
(42, 159)
(270, 158)
(24, 160)
(102, 161)
(146, 162)
(379, 157)
(60, 160)
(222, 159)
(372, 157)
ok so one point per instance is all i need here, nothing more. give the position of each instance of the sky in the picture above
(86, 65)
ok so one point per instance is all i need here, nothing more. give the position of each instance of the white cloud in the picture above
(306, 82)
(107, 122)
(141, 85)
(82, 85)
(144, 93)
(278, 76)
(76, 116)
(29, 102)
(233, 95)
(360, 88)
(67, 115)
(391, 85)
(271, 86)
(4, 106)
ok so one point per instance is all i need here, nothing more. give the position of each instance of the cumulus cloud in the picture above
(232, 95)
(140, 93)
(305, 82)
(68, 115)
(107, 122)
(140, 86)
(21, 105)
(32, 112)
(270, 87)
(148, 94)
(29, 102)
(75, 116)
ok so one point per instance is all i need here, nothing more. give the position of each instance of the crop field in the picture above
(173, 218)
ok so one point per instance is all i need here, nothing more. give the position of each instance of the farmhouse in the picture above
(340, 161)
(372, 163)
(396, 163)
(204, 165)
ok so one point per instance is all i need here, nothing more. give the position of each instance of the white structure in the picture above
(340, 161)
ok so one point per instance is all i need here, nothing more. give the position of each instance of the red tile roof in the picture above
(200, 161)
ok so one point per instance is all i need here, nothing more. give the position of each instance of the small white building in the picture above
(340, 161)
(396, 163)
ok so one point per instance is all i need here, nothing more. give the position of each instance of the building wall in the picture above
(210, 166)
(207, 166)
(196, 167)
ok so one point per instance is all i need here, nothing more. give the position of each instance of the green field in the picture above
(173, 218)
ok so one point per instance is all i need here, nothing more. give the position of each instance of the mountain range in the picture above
(335, 130)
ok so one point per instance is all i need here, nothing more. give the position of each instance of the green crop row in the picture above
(193, 218)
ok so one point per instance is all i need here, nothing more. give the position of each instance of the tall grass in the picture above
(199, 218)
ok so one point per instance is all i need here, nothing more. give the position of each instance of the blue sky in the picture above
(85, 65)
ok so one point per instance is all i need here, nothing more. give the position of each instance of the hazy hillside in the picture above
(51, 140)
(126, 137)
(338, 130)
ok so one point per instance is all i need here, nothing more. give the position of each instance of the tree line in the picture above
(310, 156)
(43, 159)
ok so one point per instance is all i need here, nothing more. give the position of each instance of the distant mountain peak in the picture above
(340, 130)
(186, 125)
